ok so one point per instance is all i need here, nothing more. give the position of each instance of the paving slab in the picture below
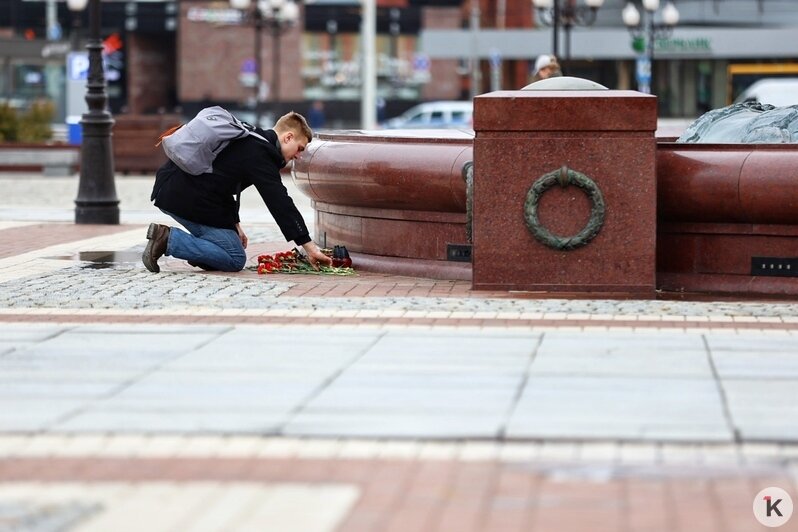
(55, 390)
(621, 408)
(233, 395)
(614, 342)
(621, 362)
(752, 343)
(758, 364)
(414, 425)
(393, 401)
(36, 414)
(173, 420)
(764, 409)
(357, 377)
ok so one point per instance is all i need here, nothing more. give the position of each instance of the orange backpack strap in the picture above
(167, 133)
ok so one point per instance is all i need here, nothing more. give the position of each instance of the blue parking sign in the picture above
(78, 66)
(421, 62)
(495, 58)
(643, 69)
(248, 66)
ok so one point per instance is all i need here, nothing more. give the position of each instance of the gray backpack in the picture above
(194, 145)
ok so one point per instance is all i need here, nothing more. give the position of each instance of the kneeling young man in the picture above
(207, 205)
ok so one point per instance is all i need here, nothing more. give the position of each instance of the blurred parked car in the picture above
(432, 115)
(780, 92)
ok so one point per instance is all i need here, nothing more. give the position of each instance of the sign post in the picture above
(643, 71)
(495, 70)
(77, 74)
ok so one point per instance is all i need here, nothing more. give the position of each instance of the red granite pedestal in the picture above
(728, 218)
(396, 199)
(605, 136)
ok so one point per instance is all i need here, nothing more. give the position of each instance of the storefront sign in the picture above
(674, 45)
(215, 16)
(55, 49)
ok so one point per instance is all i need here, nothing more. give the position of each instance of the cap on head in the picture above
(542, 62)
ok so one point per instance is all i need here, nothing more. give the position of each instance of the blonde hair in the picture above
(295, 122)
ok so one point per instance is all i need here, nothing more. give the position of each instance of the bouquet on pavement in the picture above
(294, 261)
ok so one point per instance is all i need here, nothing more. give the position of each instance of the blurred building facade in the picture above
(163, 56)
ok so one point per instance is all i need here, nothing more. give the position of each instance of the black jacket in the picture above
(209, 199)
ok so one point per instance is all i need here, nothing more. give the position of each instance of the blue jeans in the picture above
(209, 247)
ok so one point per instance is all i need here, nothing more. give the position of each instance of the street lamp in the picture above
(566, 13)
(278, 15)
(649, 31)
(96, 202)
(394, 29)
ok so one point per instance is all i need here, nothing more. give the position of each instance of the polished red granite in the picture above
(720, 206)
(728, 183)
(397, 197)
(606, 135)
(416, 169)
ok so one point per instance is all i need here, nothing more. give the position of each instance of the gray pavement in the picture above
(192, 401)
(480, 380)
(490, 383)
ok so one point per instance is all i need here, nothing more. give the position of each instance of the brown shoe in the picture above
(158, 236)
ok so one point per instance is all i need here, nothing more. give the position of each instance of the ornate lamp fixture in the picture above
(566, 13)
(96, 202)
(277, 15)
(649, 31)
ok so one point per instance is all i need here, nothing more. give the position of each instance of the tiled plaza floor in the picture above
(190, 401)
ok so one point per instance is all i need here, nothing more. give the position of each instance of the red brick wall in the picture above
(445, 81)
(519, 14)
(212, 56)
(151, 73)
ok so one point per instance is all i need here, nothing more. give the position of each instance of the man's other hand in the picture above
(242, 235)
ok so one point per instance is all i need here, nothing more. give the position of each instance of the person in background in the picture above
(381, 104)
(546, 66)
(316, 117)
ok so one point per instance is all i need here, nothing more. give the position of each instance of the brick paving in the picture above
(402, 490)
(194, 401)
(31, 237)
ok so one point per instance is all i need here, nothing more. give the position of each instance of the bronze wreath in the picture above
(564, 177)
(468, 177)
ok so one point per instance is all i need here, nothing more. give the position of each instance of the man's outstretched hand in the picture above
(315, 256)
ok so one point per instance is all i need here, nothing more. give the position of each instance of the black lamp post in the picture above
(96, 202)
(278, 15)
(566, 13)
(649, 31)
(395, 30)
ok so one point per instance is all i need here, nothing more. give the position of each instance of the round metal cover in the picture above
(564, 83)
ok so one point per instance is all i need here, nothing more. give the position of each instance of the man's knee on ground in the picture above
(238, 263)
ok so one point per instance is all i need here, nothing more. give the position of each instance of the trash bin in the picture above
(74, 130)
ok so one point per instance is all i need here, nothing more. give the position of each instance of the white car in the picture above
(779, 92)
(433, 115)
